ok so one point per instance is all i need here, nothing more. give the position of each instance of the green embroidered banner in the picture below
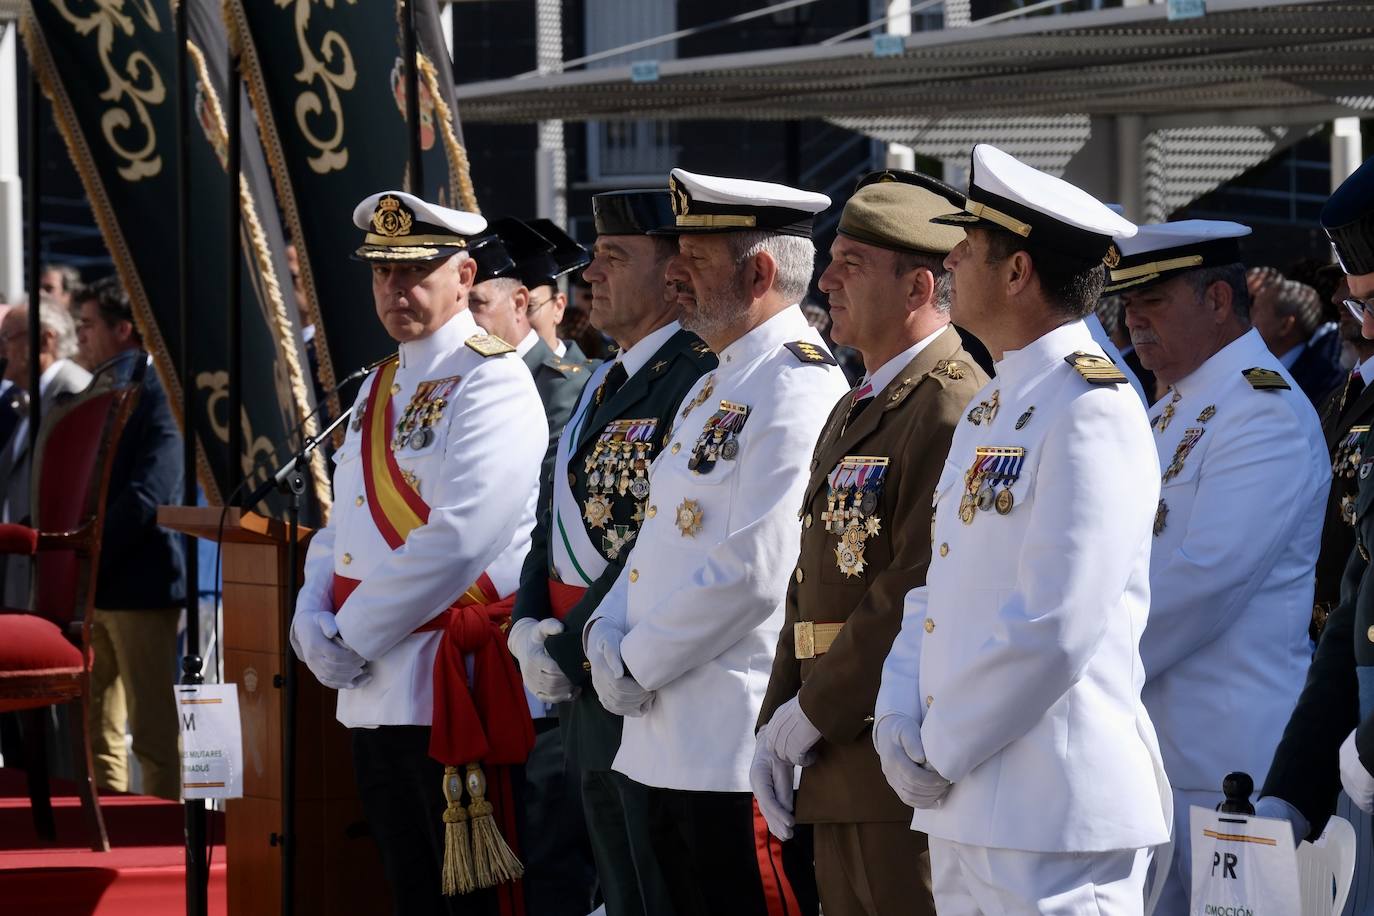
(327, 79)
(110, 71)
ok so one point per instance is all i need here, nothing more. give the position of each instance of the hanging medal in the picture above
(718, 437)
(854, 486)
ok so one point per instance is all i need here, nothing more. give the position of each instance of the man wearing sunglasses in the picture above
(1329, 742)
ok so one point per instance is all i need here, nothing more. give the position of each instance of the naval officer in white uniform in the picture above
(682, 644)
(1244, 474)
(435, 488)
(1009, 715)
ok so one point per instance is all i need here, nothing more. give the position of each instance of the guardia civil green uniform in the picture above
(582, 539)
(1339, 694)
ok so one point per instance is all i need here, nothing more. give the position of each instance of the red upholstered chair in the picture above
(45, 650)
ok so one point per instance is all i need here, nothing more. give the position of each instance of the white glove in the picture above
(791, 735)
(1358, 784)
(771, 779)
(1278, 809)
(619, 693)
(332, 662)
(541, 673)
(897, 739)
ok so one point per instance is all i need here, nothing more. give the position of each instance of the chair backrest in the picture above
(1326, 869)
(76, 447)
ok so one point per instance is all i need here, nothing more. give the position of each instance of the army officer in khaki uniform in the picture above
(865, 543)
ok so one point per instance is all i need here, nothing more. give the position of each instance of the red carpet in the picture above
(143, 874)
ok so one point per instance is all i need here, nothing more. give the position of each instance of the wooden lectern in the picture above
(338, 867)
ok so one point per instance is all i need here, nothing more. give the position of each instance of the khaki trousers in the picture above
(873, 870)
(132, 676)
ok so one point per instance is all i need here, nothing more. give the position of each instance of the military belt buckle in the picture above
(804, 639)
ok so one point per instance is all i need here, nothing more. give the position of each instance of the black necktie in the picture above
(611, 383)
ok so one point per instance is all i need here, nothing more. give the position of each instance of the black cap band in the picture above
(636, 212)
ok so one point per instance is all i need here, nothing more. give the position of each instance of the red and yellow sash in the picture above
(396, 505)
(486, 719)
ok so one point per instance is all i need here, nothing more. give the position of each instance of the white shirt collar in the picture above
(527, 344)
(634, 358)
(1246, 351)
(561, 350)
(888, 370)
(423, 356)
(1291, 357)
(49, 374)
(1366, 367)
(788, 324)
(1046, 351)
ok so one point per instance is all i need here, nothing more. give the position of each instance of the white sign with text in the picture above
(211, 741)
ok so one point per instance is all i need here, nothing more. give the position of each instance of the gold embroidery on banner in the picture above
(290, 382)
(135, 82)
(334, 50)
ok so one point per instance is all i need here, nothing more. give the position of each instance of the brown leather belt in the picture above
(812, 639)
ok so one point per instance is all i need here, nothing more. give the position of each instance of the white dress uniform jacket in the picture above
(702, 611)
(480, 478)
(1231, 575)
(1020, 656)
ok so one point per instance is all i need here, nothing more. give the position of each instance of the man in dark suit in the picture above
(1287, 315)
(142, 575)
(584, 533)
(865, 544)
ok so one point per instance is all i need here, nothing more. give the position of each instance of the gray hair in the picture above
(1233, 275)
(71, 277)
(794, 255)
(1291, 298)
(912, 260)
(54, 319)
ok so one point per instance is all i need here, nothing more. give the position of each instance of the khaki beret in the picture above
(892, 209)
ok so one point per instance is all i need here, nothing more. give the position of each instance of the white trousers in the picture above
(1178, 887)
(979, 881)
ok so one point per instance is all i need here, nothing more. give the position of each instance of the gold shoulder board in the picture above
(489, 345)
(808, 352)
(950, 368)
(1265, 379)
(1096, 370)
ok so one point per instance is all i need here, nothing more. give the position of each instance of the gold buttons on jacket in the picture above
(357, 500)
(634, 575)
(347, 558)
(395, 388)
(944, 550)
(586, 666)
(572, 479)
(1370, 634)
(800, 575)
(807, 521)
(677, 447)
(930, 625)
(929, 700)
(652, 511)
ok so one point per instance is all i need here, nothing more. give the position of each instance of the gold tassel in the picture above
(457, 871)
(493, 861)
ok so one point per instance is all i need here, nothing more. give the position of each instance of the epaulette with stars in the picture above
(809, 353)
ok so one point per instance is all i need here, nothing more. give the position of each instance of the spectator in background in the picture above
(576, 324)
(61, 282)
(1288, 315)
(142, 575)
(59, 378)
